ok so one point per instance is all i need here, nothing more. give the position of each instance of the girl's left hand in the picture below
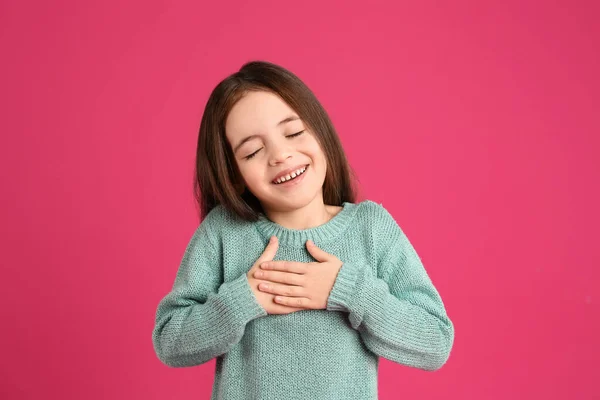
(298, 284)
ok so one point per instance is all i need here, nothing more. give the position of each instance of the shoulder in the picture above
(213, 224)
(221, 224)
(219, 216)
(378, 215)
(381, 225)
(215, 216)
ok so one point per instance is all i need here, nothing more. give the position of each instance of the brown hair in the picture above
(218, 180)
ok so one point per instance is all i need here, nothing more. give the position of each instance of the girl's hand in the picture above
(266, 299)
(297, 284)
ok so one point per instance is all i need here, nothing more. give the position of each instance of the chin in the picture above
(287, 203)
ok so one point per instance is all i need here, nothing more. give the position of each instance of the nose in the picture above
(279, 153)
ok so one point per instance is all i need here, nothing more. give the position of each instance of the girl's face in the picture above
(268, 139)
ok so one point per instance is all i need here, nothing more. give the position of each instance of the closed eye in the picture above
(252, 155)
(289, 136)
(295, 134)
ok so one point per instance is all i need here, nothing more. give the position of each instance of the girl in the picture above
(294, 288)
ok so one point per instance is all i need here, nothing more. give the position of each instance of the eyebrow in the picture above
(247, 138)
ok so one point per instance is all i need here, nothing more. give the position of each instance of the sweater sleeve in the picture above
(201, 317)
(399, 316)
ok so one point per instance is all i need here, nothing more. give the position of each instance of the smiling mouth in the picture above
(291, 177)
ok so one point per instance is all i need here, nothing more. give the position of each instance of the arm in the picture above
(401, 316)
(202, 318)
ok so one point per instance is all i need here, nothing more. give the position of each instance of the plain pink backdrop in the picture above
(476, 125)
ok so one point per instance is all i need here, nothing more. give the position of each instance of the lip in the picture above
(288, 185)
(288, 171)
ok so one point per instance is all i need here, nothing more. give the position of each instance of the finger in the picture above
(270, 250)
(291, 308)
(300, 302)
(280, 277)
(316, 252)
(283, 290)
(286, 266)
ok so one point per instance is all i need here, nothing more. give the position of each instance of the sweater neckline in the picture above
(319, 234)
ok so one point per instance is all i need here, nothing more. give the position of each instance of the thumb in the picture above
(270, 250)
(316, 252)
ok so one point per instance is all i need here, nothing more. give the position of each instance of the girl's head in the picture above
(258, 123)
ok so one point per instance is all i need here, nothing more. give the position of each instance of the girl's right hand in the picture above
(266, 300)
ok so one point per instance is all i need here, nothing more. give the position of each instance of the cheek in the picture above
(319, 156)
(252, 175)
(244, 172)
(312, 148)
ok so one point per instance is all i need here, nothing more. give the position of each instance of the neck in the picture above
(313, 214)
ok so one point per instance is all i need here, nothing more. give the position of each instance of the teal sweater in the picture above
(382, 304)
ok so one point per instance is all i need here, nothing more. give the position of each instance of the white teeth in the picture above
(291, 176)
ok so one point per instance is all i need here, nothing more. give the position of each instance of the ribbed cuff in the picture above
(242, 303)
(344, 289)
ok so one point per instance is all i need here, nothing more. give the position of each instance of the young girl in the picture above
(294, 288)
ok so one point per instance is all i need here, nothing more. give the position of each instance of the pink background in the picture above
(475, 125)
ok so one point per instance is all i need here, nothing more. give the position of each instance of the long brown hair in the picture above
(218, 180)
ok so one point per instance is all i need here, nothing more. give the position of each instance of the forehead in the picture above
(256, 113)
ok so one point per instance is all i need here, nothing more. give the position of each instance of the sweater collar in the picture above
(318, 234)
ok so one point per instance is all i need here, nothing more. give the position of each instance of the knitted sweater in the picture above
(382, 304)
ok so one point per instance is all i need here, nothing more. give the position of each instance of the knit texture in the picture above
(382, 304)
